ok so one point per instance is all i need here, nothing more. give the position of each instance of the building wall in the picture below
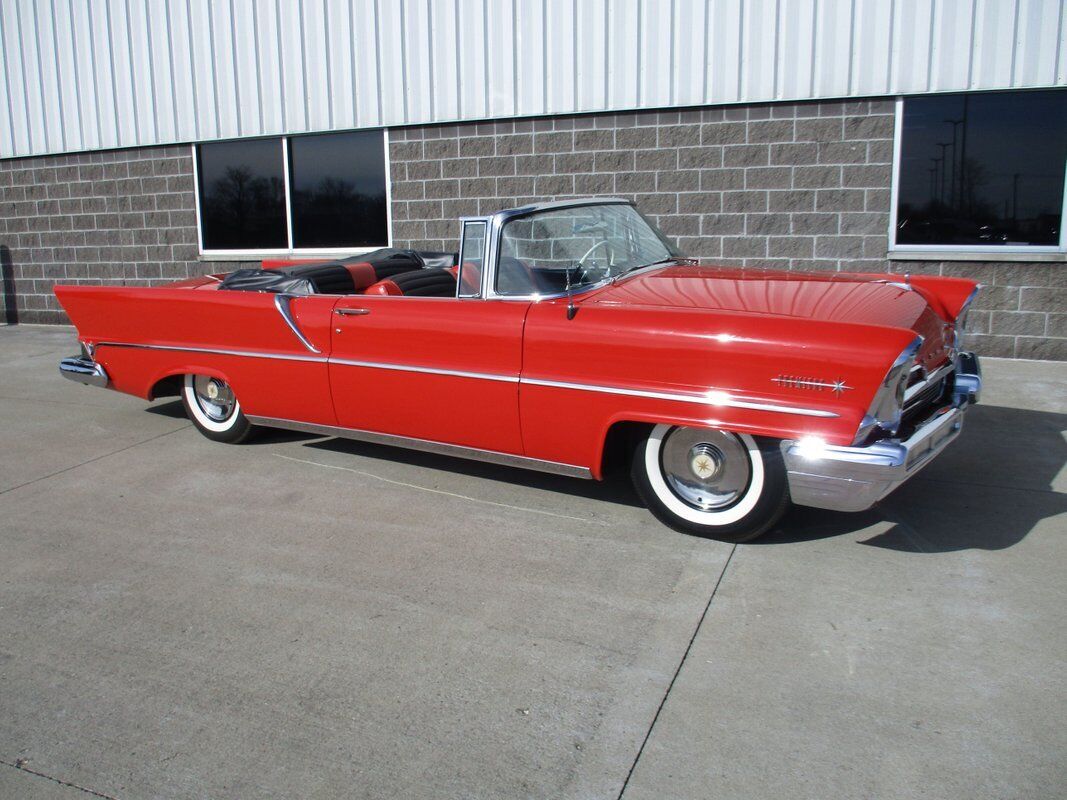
(794, 186)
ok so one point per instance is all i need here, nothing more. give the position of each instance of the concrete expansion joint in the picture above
(20, 765)
(677, 671)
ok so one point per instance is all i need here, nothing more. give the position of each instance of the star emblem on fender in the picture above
(838, 387)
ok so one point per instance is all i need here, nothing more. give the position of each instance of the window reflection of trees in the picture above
(335, 212)
(243, 208)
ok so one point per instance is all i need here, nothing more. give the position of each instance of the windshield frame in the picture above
(502, 218)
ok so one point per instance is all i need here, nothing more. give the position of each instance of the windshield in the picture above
(542, 252)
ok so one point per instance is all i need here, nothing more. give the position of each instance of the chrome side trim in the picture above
(427, 446)
(454, 373)
(282, 302)
(84, 370)
(215, 351)
(711, 398)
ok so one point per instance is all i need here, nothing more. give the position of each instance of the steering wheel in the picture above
(583, 270)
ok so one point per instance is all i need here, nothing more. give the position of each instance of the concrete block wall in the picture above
(120, 217)
(788, 185)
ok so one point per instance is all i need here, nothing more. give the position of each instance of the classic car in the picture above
(570, 337)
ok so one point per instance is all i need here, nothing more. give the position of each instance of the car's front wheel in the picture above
(709, 482)
(213, 408)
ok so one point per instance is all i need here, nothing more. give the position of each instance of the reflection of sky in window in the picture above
(1018, 139)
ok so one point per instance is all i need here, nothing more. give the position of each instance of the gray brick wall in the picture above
(793, 186)
(120, 217)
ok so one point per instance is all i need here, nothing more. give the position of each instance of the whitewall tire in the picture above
(710, 482)
(214, 409)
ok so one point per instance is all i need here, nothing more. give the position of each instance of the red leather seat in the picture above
(417, 283)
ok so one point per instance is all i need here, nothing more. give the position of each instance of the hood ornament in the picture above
(838, 387)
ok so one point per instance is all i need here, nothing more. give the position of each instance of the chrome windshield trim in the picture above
(215, 351)
(282, 303)
(453, 373)
(428, 446)
(710, 398)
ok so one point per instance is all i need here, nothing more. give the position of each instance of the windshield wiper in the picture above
(666, 260)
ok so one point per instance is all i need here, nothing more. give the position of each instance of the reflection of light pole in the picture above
(963, 149)
(943, 146)
(1015, 197)
(952, 183)
(933, 181)
(937, 180)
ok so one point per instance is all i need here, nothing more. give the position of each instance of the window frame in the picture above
(955, 252)
(249, 254)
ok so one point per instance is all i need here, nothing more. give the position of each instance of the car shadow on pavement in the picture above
(614, 488)
(987, 491)
(175, 410)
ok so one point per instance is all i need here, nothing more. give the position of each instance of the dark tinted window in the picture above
(983, 169)
(337, 182)
(242, 195)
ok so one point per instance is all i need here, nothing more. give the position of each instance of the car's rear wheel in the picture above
(709, 482)
(214, 409)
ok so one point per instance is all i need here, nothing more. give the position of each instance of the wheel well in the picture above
(171, 386)
(619, 443)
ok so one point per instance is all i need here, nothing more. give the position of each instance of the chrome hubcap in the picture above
(214, 397)
(706, 469)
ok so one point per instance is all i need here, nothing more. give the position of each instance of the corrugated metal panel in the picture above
(88, 74)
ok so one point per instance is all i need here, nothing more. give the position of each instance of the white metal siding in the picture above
(88, 74)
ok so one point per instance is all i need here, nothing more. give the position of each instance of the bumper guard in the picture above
(83, 370)
(855, 478)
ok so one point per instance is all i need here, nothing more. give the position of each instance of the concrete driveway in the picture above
(304, 617)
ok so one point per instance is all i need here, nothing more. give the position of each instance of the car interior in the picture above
(388, 271)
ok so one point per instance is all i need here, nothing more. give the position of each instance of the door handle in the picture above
(351, 312)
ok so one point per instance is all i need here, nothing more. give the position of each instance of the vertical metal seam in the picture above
(890, 59)
(259, 68)
(151, 73)
(430, 71)
(114, 81)
(851, 45)
(7, 86)
(707, 51)
(74, 66)
(930, 46)
(170, 61)
(814, 46)
(740, 50)
(281, 64)
(329, 71)
(574, 56)
(303, 65)
(40, 73)
(133, 76)
(402, 5)
(515, 57)
(352, 62)
(544, 56)
(777, 44)
(1059, 48)
(96, 84)
(485, 57)
(1014, 44)
(378, 61)
(607, 56)
(640, 53)
(25, 87)
(59, 77)
(971, 49)
(459, 60)
(236, 77)
(672, 21)
(214, 70)
(192, 69)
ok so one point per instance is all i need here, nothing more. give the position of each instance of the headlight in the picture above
(888, 403)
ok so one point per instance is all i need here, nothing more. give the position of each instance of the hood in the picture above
(833, 297)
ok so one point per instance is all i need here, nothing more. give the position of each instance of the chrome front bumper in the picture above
(83, 370)
(855, 478)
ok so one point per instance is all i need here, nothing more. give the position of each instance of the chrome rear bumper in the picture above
(83, 370)
(855, 478)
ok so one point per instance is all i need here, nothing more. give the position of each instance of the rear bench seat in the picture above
(344, 276)
(418, 283)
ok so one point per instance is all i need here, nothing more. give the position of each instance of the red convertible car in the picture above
(567, 337)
